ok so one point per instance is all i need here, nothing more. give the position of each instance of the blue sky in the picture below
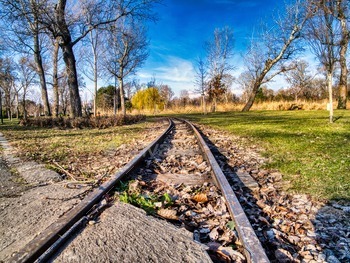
(177, 39)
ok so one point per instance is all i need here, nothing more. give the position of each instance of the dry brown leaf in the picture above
(228, 251)
(168, 214)
(200, 198)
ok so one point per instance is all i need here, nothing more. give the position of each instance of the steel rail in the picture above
(253, 248)
(36, 247)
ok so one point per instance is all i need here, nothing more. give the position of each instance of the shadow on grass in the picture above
(270, 117)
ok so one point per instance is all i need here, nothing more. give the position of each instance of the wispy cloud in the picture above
(176, 72)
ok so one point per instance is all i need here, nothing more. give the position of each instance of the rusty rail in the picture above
(35, 248)
(49, 239)
(253, 249)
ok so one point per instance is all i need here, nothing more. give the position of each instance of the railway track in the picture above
(179, 157)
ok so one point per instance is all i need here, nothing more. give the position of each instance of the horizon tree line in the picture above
(34, 27)
(47, 32)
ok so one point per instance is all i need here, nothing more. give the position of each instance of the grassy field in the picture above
(69, 146)
(312, 153)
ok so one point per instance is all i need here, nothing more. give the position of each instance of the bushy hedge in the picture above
(100, 122)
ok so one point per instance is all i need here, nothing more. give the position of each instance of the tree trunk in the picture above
(63, 103)
(95, 83)
(24, 107)
(55, 80)
(115, 98)
(214, 104)
(122, 97)
(66, 45)
(75, 101)
(1, 116)
(17, 104)
(330, 92)
(41, 73)
(204, 105)
(343, 92)
(252, 96)
(8, 105)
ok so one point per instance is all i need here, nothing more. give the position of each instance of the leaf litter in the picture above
(200, 209)
(176, 185)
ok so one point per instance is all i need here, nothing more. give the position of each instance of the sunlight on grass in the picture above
(47, 144)
(312, 153)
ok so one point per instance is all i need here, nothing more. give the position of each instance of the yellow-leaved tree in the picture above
(147, 99)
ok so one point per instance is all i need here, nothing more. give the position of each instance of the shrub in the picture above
(100, 122)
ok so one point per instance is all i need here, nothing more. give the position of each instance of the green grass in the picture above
(312, 153)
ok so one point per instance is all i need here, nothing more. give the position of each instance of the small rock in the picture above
(270, 234)
(283, 256)
(214, 234)
(294, 239)
(92, 222)
(321, 257)
(332, 259)
(310, 248)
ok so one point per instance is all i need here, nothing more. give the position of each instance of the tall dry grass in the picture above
(224, 107)
(271, 105)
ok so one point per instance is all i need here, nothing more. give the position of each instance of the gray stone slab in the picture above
(23, 217)
(125, 233)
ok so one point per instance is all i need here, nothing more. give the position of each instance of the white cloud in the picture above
(176, 72)
(179, 73)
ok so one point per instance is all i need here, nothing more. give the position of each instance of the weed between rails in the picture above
(200, 209)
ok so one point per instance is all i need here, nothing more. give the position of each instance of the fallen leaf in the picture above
(200, 198)
(231, 225)
(168, 214)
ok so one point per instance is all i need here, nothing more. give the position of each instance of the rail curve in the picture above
(50, 239)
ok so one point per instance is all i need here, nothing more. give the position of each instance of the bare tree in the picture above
(342, 14)
(26, 79)
(71, 22)
(219, 55)
(227, 80)
(299, 78)
(275, 45)
(92, 55)
(125, 53)
(26, 31)
(184, 97)
(63, 94)
(7, 80)
(201, 82)
(166, 94)
(245, 81)
(323, 35)
(55, 78)
(136, 85)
